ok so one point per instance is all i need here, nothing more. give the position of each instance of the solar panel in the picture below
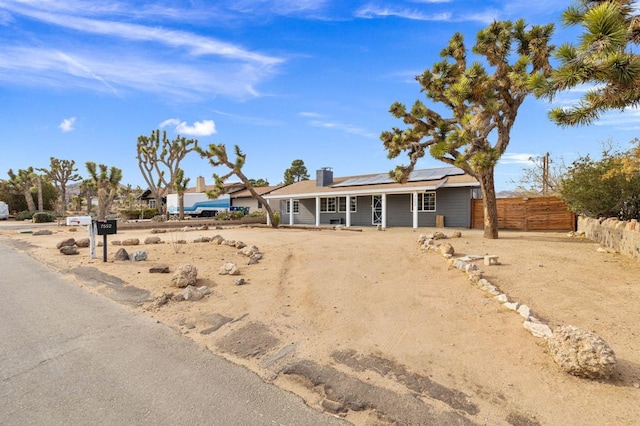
(415, 176)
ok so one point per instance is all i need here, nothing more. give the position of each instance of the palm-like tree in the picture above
(602, 59)
(107, 181)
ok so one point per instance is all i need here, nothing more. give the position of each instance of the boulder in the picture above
(83, 242)
(446, 249)
(229, 268)
(185, 275)
(69, 242)
(456, 234)
(192, 293)
(240, 245)
(152, 240)
(240, 281)
(218, 239)
(68, 250)
(159, 269)
(121, 254)
(202, 240)
(42, 232)
(138, 256)
(438, 236)
(581, 353)
(131, 242)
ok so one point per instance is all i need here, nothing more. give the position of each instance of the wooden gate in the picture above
(527, 214)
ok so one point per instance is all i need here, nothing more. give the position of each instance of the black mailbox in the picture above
(107, 227)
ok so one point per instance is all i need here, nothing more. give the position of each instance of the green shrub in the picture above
(276, 219)
(24, 215)
(135, 213)
(229, 215)
(42, 217)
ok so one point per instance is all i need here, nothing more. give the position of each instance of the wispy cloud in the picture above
(67, 124)
(121, 54)
(517, 158)
(317, 120)
(371, 11)
(199, 128)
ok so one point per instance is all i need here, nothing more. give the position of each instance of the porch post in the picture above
(415, 209)
(290, 211)
(317, 211)
(384, 210)
(348, 221)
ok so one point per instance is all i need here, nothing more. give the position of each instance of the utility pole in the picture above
(545, 175)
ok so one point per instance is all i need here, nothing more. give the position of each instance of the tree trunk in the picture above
(89, 204)
(181, 206)
(40, 199)
(490, 206)
(31, 205)
(255, 196)
(63, 201)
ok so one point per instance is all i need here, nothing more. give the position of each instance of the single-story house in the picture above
(244, 199)
(377, 200)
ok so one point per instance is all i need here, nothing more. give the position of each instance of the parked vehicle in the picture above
(4, 211)
(198, 204)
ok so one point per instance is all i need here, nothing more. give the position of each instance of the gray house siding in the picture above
(452, 203)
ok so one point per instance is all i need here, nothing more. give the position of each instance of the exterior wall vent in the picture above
(324, 176)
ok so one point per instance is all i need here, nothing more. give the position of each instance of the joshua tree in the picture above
(483, 105)
(604, 59)
(106, 181)
(88, 191)
(60, 173)
(180, 186)
(159, 160)
(22, 183)
(217, 156)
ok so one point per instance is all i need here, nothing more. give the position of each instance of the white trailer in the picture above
(198, 204)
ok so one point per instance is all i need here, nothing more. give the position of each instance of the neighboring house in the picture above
(378, 200)
(244, 199)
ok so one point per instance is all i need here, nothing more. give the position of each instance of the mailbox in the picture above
(78, 220)
(107, 227)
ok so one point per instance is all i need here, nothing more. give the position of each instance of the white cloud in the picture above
(347, 128)
(309, 114)
(199, 128)
(515, 158)
(371, 11)
(67, 124)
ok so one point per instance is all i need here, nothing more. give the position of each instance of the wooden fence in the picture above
(527, 214)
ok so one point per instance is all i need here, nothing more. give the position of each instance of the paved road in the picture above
(70, 357)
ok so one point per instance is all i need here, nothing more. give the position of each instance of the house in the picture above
(371, 200)
(245, 200)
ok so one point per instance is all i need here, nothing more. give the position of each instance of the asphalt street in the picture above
(71, 357)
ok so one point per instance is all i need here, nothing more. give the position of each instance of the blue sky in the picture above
(283, 79)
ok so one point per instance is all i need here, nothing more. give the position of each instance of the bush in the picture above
(229, 215)
(24, 215)
(42, 217)
(276, 219)
(135, 213)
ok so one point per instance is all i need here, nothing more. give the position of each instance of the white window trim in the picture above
(326, 206)
(421, 198)
(296, 207)
(354, 204)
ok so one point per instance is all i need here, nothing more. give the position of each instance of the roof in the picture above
(260, 190)
(419, 180)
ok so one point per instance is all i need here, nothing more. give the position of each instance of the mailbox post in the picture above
(104, 228)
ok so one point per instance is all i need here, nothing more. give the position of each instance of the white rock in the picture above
(538, 329)
(524, 311)
(502, 298)
(511, 305)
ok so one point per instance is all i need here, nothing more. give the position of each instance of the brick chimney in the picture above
(200, 186)
(324, 176)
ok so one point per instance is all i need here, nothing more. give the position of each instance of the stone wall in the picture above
(621, 236)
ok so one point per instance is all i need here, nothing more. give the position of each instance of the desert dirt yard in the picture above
(373, 328)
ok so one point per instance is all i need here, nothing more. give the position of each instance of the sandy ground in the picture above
(368, 323)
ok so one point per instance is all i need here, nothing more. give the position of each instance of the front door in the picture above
(376, 210)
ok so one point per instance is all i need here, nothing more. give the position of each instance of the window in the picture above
(328, 205)
(296, 207)
(151, 203)
(342, 204)
(426, 202)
